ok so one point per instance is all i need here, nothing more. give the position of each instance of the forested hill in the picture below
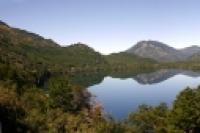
(31, 55)
(27, 58)
(129, 62)
(24, 48)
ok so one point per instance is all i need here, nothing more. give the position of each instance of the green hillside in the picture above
(129, 62)
(19, 46)
(34, 58)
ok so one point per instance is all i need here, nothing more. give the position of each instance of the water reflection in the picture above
(162, 75)
(121, 96)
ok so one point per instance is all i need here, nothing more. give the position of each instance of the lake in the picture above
(120, 96)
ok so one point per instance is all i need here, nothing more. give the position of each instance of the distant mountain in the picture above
(162, 52)
(195, 57)
(28, 50)
(155, 50)
(189, 51)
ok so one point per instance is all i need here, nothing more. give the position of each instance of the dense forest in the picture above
(39, 94)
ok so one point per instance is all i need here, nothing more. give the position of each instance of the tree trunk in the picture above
(0, 127)
(187, 131)
(196, 130)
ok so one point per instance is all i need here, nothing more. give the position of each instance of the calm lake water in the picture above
(120, 96)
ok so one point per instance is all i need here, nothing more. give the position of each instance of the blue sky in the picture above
(107, 25)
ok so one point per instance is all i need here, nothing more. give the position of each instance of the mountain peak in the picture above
(162, 52)
(155, 50)
(150, 43)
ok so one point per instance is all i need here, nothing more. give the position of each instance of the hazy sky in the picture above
(107, 25)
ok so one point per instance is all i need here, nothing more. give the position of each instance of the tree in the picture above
(185, 114)
(66, 96)
(60, 93)
(149, 119)
(11, 111)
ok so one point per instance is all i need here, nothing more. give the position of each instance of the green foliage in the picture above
(148, 118)
(60, 93)
(129, 62)
(63, 95)
(26, 49)
(28, 62)
(183, 117)
(30, 112)
(185, 114)
(11, 111)
(87, 79)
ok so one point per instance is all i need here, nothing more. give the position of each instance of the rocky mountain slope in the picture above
(162, 52)
(189, 51)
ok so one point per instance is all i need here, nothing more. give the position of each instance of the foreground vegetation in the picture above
(66, 108)
(39, 94)
(183, 117)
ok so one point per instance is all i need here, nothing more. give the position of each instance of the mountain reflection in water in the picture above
(120, 96)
